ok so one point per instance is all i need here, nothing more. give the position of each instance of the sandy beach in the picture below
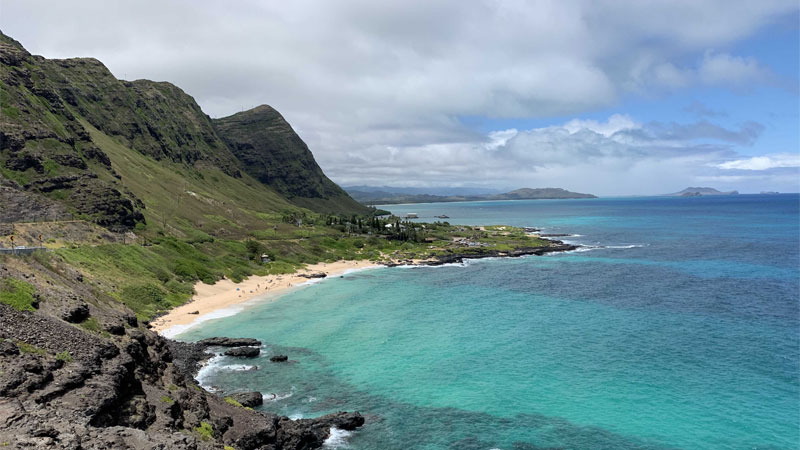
(225, 293)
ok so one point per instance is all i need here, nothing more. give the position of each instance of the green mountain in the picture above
(275, 155)
(379, 197)
(123, 153)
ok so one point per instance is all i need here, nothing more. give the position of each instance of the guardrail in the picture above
(21, 250)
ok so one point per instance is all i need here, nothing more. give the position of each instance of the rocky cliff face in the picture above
(274, 154)
(79, 372)
(50, 108)
(45, 150)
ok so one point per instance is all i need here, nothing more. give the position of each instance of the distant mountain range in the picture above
(699, 191)
(380, 197)
(441, 191)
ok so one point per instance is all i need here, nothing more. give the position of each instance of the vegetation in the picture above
(206, 431)
(160, 271)
(17, 294)
(91, 324)
(231, 401)
(24, 347)
(64, 356)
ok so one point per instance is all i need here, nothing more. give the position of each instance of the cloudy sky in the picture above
(608, 97)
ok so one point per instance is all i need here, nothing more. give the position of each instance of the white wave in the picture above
(206, 370)
(626, 246)
(337, 439)
(269, 397)
(237, 367)
(311, 281)
(425, 266)
(296, 416)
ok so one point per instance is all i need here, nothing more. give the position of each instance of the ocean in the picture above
(676, 326)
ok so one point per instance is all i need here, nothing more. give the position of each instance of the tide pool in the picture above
(677, 328)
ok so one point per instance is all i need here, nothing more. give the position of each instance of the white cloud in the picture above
(765, 162)
(721, 68)
(615, 123)
(378, 89)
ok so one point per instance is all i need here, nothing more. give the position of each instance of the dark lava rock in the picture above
(249, 399)
(311, 433)
(313, 275)
(247, 352)
(115, 328)
(279, 358)
(76, 313)
(229, 342)
(8, 348)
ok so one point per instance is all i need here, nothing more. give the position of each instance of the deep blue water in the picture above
(678, 327)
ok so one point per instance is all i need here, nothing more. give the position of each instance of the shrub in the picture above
(206, 431)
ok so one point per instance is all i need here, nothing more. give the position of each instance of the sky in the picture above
(623, 97)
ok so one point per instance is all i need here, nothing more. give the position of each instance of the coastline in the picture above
(213, 298)
(210, 300)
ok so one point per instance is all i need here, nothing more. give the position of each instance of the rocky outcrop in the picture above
(45, 148)
(243, 352)
(22, 206)
(69, 386)
(249, 399)
(313, 275)
(228, 342)
(279, 358)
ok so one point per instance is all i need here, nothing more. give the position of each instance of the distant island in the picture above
(382, 197)
(698, 192)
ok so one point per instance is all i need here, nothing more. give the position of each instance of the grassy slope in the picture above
(190, 200)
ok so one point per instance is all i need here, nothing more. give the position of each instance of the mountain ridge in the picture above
(71, 132)
(383, 198)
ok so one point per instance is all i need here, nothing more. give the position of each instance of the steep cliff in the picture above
(274, 154)
(121, 153)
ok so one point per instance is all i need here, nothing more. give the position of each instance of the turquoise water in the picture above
(677, 327)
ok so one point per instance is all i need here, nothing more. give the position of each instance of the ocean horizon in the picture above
(675, 325)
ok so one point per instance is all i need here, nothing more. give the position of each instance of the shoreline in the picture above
(225, 294)
(211, 301)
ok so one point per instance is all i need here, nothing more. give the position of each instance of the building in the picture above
(412, 216)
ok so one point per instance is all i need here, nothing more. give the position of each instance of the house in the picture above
(265, 258)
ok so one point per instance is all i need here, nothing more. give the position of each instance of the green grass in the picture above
(24, 347)
(206, 431)
(231, 401)
(17, 294)
(167, 399)
(91, 324)
(64, 356)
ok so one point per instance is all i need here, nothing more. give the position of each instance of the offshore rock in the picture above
(279, 358)
(244, 352)
(228, 342)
